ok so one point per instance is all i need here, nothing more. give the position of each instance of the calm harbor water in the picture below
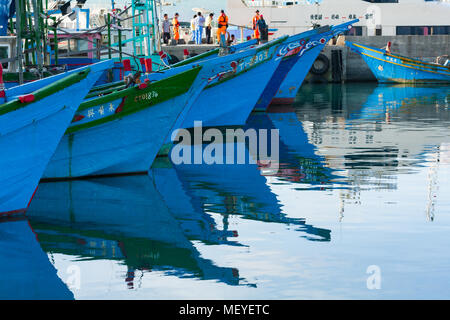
(363, 184)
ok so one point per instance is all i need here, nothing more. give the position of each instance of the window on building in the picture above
(422, 30)
(355, 31)
(381, 1)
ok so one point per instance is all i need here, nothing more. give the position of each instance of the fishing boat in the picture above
(297, 55)
(121, 131)
(123, 220)
(33, 118)
(389, 67)
(137, 120)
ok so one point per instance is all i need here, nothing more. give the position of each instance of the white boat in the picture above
(377, 17)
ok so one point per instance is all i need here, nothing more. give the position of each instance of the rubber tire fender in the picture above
(325, 65)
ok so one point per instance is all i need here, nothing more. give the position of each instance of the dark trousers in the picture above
(166, 37)
(208, 35)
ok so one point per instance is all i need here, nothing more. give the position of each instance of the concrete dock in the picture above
(345, 65)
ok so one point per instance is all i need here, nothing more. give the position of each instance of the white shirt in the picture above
(166, 26)
(209, 21)
(199, 21)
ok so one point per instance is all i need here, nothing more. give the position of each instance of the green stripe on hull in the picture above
(267, 47)
(45, 91)
(193, 59)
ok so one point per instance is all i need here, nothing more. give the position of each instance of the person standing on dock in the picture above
(222, 27)
(199, 25)
(209, 22)
(255, 20)
(166, 29)
(176, 28)
(263, 29)
(193, 28)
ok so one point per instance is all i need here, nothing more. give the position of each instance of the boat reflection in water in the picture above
(382, 130)
(25, 271)
(232, 189)
(122, 219)
(386, 99)
(196, 224)
(298, 161)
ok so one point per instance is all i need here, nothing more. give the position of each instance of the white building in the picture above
(377, 17)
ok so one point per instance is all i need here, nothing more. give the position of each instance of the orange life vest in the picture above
(255, 21)
(176, 29)
(223, 21)
(175, 23)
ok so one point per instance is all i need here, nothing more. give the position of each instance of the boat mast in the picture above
(19, 39)
(144, 27)
(30, 28)
(38, 37)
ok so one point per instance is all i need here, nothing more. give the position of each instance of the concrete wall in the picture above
(354, 68)
(178, 50)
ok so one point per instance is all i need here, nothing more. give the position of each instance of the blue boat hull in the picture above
(211, 88)
(229, 101)
(274, 84)
(392, 68)
(286, 53)
(30, 135)
(294, 79)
